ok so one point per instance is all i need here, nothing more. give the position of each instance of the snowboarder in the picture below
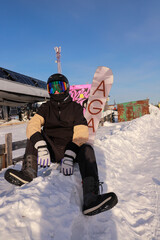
(63, 140)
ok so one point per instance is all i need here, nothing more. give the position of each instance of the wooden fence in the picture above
(9, 146)
(6, 151)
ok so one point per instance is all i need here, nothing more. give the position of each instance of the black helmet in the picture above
(58, 82)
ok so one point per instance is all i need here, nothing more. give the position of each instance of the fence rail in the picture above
(6, 151)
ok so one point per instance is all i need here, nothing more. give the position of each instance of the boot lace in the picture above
(98, 187)
(101, 187)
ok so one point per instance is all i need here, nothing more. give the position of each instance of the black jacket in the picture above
(60, 118)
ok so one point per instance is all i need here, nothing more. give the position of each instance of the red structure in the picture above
(131, 110)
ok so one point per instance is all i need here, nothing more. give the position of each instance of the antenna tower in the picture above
(58, 56)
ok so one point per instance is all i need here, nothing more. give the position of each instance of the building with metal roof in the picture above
(17, 89)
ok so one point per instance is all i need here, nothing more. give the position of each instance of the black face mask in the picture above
(59, 97)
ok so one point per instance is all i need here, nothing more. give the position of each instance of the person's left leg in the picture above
(87, 162)
(94, 203)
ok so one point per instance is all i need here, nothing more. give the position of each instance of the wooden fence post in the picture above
(2, 161)
(8, 149)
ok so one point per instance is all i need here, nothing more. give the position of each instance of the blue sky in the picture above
(123, 35)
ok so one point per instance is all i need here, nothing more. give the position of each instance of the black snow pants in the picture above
(85, 158)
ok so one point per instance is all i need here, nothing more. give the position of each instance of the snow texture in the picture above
(128, 157)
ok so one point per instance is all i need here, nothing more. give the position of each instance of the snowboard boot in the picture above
(95, 203)
(27, 173)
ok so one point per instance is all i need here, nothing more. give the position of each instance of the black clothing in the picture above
(60, 119)
(85, 158)
(94, 202)
(27, 173)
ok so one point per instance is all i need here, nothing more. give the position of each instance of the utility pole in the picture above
(58, 56)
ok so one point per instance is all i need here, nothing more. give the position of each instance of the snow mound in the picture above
(128, 157)
(153, 109)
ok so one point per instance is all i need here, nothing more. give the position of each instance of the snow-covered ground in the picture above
(128, 157)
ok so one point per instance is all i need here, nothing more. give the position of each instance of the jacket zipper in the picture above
(59, 112)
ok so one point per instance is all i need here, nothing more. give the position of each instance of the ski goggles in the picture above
(59, 86)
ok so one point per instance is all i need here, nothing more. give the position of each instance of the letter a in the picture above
(91, 126)
(102, 90)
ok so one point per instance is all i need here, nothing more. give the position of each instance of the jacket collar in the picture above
(67, 99)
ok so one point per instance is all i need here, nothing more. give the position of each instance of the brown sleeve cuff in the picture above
(73, 147)
(36, 137)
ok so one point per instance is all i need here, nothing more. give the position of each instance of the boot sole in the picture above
(14, 179)
(106, 205)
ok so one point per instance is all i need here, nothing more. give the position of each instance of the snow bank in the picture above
(132, 156)
(128, 157)
(153, 109)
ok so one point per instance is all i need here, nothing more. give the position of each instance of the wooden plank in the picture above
(2, 161)
(19, 144)
(8, 149)
(2, 149)
(15, 146)
(15, 160)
